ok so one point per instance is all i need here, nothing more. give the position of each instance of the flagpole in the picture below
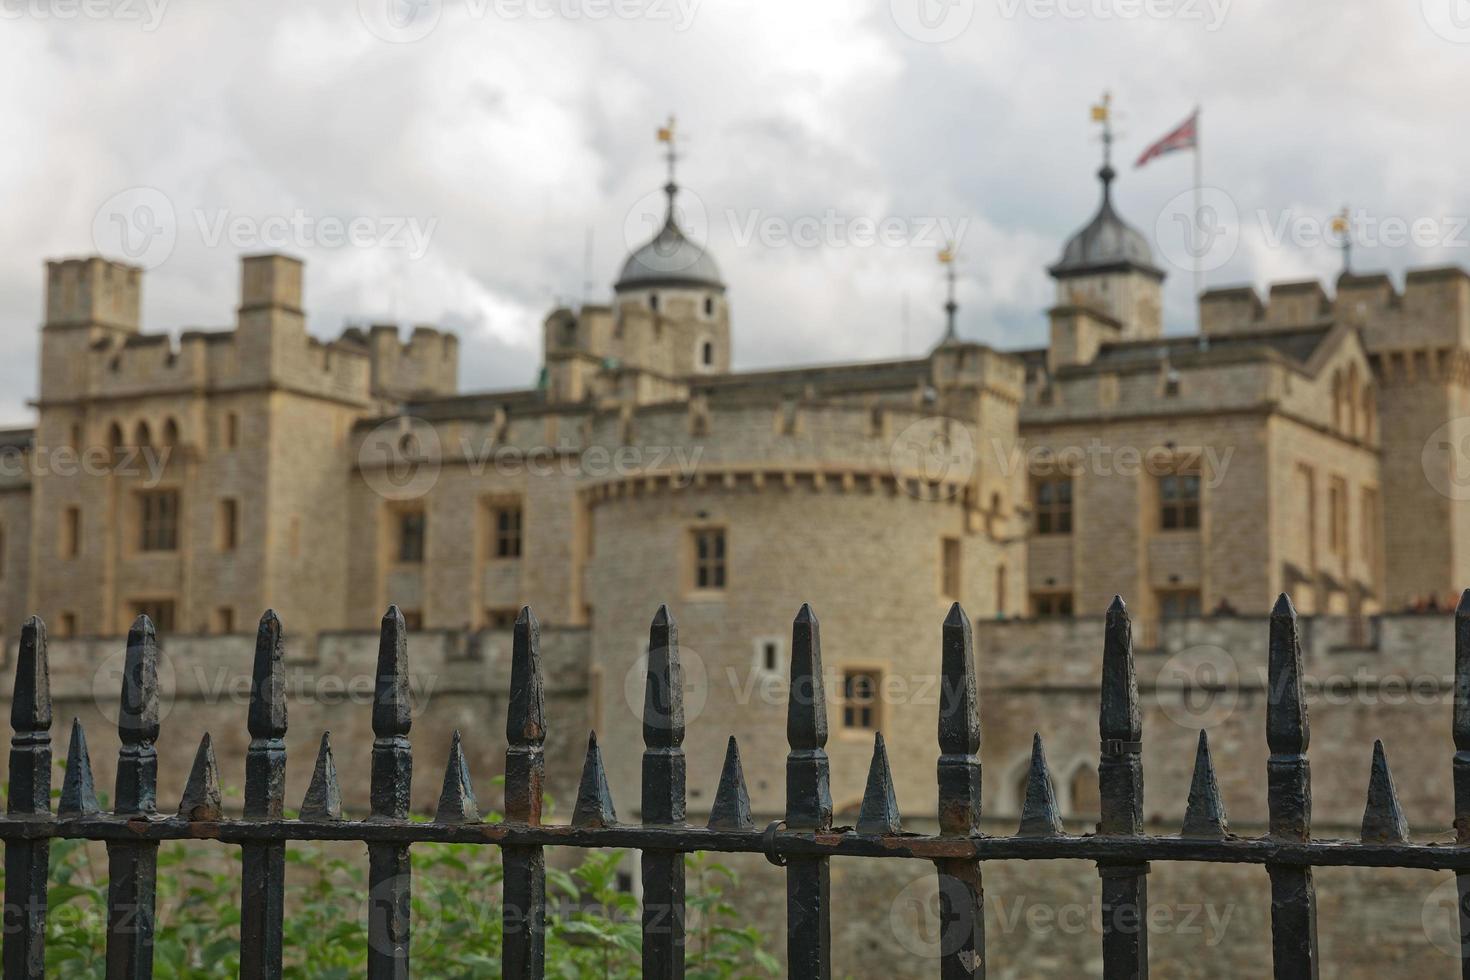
(1199, 184)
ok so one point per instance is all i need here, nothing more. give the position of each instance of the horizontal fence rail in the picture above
(803, 843)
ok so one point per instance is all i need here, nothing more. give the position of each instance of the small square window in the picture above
(1051, 605)
(412, 526)
(1179, 501)
(860, 704)
(709, 558)
(505, 529)
(158, 520)
(949, 585)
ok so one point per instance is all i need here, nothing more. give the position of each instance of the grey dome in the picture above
(1107, 243)
(670, 259)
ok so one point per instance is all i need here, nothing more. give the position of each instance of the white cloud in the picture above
(516, 135)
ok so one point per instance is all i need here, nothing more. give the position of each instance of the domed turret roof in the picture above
(1107, 243)
(670, 259)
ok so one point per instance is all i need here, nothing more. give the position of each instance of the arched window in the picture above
(709, 306)
(653, 302)
(114, 437)
(1337, 400)
(1086, 800)
(142, 436)
(707, 353)
(170, 433)
(1350, 397)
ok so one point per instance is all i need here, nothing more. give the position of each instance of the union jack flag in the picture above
(1185, 137)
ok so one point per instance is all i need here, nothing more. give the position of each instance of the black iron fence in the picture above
(803, 843)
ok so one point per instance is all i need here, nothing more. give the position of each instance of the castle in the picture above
(1305, 443)
(1297, 444)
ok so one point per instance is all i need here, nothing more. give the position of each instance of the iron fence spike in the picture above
(202, 801)
(1039, 814)
(1204, 814)
(78, 791)
(594, 807)
(323, 799)
(879, 812)
(731, 810)
(457, 803)
(1383, 818)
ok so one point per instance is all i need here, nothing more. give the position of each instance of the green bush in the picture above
(592, 927)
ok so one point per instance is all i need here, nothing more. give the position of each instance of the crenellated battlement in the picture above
(1432, 310)
(93, 292)
(426, 366)
(94, 346)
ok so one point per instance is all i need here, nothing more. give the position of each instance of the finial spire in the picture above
(1342, 227)
(667, 135)
(946, 259)
(1102, 113)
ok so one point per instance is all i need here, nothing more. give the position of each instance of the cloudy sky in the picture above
(474, 147)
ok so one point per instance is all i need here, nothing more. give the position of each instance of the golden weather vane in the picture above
(947, 256)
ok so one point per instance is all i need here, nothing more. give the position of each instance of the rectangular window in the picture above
(1051, 605)
(1052, 503)
(158, 520)
(709, 557)
(411, 528)
(1179, 604)
(228, 525)
(66, 625)
(160, 611)
(1369, 527)
(949, 554)
(505, 528)
(71, 532)
(1179, 501)
(1337, 516)
(413, 619)
(224, 620)
(769, 658)
(501, 619)
(860, 704)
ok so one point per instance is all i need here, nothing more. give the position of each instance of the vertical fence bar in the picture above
(1289, 800)
(263, 866)
(1462, 770)
(133, 867)
(29, 795)
(808, 805)
(663, 800)
(961, 890)
(1120, 787)
(523, 950)
(390, 872)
